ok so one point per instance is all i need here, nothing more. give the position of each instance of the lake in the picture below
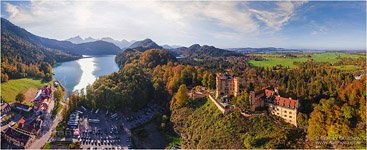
(77, 74)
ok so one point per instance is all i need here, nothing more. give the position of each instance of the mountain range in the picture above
(196, 50)
(90, 48)
(121, 44)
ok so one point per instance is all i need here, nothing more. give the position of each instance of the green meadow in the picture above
(11, 88)
(279, 59)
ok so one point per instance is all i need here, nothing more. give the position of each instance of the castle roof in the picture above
(269, 92)
(286, 102)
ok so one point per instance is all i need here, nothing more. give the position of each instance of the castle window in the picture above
(285, 115)
(290, 116)
(290, 112)
(277, 113)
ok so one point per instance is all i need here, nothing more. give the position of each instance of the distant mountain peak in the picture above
(106, 38)
(144, 45)
(89, 38)
(196, 50)
(78, 40)
(195, 46)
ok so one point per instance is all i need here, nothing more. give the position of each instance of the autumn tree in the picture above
(20, 97)
(58, 95)
(181, 97)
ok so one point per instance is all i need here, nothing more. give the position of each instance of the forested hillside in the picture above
(126, 90)
(148, 58)
(202, 126)
(21, 58)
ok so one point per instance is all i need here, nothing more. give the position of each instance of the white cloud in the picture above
(280, 16)
(316, 28)
(165, 22)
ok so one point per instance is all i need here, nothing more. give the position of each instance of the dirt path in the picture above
(30, 94)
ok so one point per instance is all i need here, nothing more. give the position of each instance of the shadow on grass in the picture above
(197, 103)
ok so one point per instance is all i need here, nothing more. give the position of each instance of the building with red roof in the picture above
(285, 108)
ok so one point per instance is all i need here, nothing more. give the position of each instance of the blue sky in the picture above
(296, 24)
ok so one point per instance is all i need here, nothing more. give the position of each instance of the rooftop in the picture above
(286, 102)
(17, 134)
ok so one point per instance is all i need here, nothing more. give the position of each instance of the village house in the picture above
(42, 100)
(18, 137)
(32, 125)
(22, 107)
(5, 108)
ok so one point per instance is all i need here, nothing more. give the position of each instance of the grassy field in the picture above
(347, 67)
(279, 59)
(11, 88)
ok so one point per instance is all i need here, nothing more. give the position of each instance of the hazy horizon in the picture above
(294, 25)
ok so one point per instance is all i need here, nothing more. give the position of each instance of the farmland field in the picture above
(279, 59)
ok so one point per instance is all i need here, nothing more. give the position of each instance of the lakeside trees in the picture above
(128, 89)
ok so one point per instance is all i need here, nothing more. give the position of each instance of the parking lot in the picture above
(100, 129)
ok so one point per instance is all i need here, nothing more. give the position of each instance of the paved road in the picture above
(38, 143)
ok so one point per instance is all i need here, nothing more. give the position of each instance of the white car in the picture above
(12, 123)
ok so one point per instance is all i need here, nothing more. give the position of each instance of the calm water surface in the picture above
(77, 74)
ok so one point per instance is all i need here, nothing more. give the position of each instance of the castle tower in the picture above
(227, 85)
(236, 84)
(218, 85)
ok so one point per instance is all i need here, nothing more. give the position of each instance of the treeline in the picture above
(340, 121)
(148, 58)
(218, 64)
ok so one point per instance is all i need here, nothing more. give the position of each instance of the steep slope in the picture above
(20, 57)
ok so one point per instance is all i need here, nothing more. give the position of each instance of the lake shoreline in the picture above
(77, 74)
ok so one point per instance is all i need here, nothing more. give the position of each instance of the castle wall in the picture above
(287, 114)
